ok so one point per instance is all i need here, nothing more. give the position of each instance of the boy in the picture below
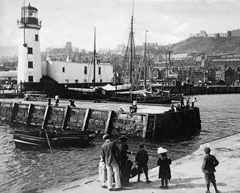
(208, 168)
(141, 160)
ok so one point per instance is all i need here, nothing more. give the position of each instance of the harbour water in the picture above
(30, 171)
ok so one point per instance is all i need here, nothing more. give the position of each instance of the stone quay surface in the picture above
(187, 176)
(142, 108)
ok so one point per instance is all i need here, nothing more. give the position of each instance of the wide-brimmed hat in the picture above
(161, 150)
(123, 138)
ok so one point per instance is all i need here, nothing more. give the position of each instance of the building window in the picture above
(36, 37)
(85, 69)
(99, 70)
(30, 51)
(63, 69)
(101, 80)
(30, 64)
(30, 78)
(76, 81)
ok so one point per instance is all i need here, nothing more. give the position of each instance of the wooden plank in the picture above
(108, 121)
(45, 116)
(154, 126)
(65, 117)
(145, 127)
(85, 119)
(14, 111)
(29, 112)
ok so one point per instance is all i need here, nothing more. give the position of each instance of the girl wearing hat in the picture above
(164, 167)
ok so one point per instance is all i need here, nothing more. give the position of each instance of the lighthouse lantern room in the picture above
(29, 57)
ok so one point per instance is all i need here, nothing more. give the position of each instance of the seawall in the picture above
(146, 125)
(197, 90)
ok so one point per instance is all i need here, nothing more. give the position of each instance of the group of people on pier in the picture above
(116, 167)
(183, 106)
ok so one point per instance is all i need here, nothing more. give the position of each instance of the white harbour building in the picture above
(31, 69)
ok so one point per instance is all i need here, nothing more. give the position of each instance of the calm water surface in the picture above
(29, 171)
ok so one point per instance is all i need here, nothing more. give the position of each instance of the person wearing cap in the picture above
(208, 168)
(164, 167)
(124, 162)
(110, 156)
(141, 160)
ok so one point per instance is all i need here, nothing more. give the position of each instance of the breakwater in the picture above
(146, 125)
(199, 90)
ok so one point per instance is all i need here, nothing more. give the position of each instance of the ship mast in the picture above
(145, 61)
(131, 53)
(94, 58)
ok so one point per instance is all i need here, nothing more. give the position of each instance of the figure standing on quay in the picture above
(110, 156)
(72, 102)
(141, 160)
(56, 100)
(164, 167)
(125, 167)
(208, 168)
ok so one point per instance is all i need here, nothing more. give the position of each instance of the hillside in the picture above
(208, 45)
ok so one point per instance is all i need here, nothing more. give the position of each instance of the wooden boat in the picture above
(43, 140)
(140, 97)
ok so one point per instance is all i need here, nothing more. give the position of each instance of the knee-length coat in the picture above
(164, 168)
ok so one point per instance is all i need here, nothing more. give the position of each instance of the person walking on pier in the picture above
(110, 156)
(141, 160)
(164, 167)
(208, 168)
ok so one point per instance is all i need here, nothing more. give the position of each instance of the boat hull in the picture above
(38, 140)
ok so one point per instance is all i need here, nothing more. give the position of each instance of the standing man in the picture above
(110, 156)
(141, 160)
(208, 168)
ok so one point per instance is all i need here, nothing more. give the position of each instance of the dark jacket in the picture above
(141, 157)
(110, 152)
(209, 164)
(164, 168)
(123, 150)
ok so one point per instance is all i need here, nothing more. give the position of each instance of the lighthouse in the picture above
(29, 56)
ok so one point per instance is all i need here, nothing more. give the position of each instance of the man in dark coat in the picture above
(141, 160)
(208, 168)
(110, 156)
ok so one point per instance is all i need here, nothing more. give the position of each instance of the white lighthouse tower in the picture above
(29, 57)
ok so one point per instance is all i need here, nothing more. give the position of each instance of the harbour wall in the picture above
(197, 90)
(145, 125)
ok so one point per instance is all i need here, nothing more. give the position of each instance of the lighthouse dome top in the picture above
(30, 7)
(29, 18)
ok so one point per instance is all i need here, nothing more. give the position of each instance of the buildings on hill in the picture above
(204, 34)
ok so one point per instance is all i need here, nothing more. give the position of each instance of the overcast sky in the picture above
(168, 21)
